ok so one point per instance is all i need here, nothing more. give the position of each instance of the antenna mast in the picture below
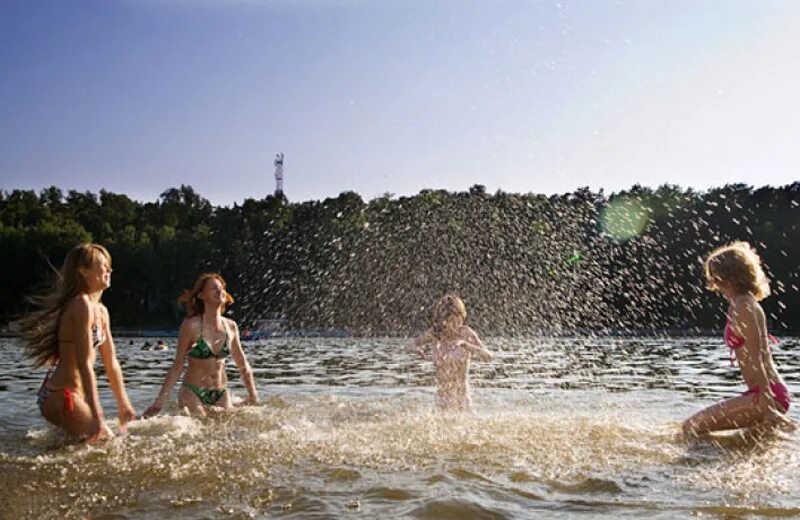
(278, 162)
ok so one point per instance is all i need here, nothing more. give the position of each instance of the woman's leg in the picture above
(226, 401)
(77, 421)
(776, 419)
(736, 412)
(189, 400)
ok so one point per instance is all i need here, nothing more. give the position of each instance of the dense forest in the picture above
(522, 262)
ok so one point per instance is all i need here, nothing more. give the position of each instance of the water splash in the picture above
(522, 263)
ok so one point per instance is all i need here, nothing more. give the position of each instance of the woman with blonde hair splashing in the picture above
(453, 345)
(69, 327)
(735, 272)
(206, 338)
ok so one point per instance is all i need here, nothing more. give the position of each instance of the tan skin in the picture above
(75, 369)
(206, 373)
(757, 367)
(451, 376)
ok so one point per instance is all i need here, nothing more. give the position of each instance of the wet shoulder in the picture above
(191, 326)
(745, 306)
(104, 315)
(467, 332)
(79, 307)
(230, 325)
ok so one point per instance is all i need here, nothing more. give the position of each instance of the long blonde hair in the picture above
(738, 265)
(194, 305)
(447, 306)
(39, 328)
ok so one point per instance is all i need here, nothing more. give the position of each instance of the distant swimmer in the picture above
(160, 345)
(66, 332)
(453, 345)
(735, 272)
(206, 339)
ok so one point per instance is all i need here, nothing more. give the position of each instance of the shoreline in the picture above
(550, 333)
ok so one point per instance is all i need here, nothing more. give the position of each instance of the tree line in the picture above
(522, 262)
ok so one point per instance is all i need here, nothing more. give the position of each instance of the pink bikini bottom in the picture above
(779, 392)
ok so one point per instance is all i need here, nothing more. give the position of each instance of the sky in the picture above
(385, 96)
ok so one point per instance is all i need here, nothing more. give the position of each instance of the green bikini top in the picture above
(202, 350)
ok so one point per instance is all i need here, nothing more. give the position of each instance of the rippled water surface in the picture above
(561, 427)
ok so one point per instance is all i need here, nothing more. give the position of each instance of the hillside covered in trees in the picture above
(522, 262)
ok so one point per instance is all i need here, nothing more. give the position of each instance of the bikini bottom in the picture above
(778, 390)
(207, 396)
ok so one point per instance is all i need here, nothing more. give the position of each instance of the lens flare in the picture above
(624, 218)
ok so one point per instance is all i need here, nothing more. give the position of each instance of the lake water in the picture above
(561, 428)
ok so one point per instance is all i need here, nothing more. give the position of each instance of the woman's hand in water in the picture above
(251, 401)
(99, 431)
(153, 409)
(126, 414)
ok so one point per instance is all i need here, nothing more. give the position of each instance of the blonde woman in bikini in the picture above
(453, 345)
(70, 326)
(206, 339)
(735, 272)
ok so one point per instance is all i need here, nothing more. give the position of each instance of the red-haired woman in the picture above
(206, 338)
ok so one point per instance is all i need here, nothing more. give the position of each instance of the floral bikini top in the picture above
(98, 336)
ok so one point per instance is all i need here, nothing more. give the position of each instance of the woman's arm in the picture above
(237, 353)
(416, 345)
(82, 317)
(114, 373)
(185, 338)
(475, 345)
(749, 321)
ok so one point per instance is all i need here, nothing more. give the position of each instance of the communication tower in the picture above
(278, 162)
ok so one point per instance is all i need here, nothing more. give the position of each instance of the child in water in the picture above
(734, 271)
(454, 344)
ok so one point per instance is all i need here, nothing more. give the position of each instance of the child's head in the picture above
(736, 267)
(448, 312)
